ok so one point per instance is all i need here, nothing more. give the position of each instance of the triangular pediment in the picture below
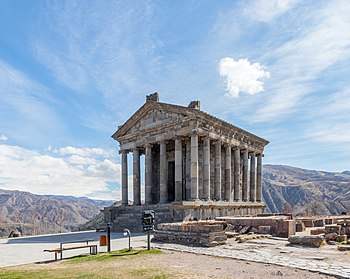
(150, 115)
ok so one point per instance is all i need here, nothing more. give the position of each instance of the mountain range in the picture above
(285, 189)
(41, 214)
(305, 192)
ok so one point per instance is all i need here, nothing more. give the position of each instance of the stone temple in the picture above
(196, 166)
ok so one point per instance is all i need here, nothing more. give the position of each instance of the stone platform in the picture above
(281, 226)
(129, 217)
(201, 233)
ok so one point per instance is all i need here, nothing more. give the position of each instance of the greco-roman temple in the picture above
(196, 166)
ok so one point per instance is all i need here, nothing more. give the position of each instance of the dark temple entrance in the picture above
(171, 181)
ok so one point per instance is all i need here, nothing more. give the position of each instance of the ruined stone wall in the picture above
(202, 233)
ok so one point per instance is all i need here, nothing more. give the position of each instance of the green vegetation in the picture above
(111, 255)
(90, 267)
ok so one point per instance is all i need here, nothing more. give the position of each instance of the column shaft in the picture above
(259, 179)
(245, 176)
(188, 170)
(252, 190)
(178, 170)
(194, 166)
(206, 169)
(124, 177)
(228, 196)
(237, 168)
(136, 177)
(163, 174)
(148, 174)
(218, 171)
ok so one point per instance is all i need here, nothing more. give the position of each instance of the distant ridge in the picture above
(284, 188)
(306, 191)
(41, 214)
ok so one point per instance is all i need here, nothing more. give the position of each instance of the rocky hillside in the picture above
(304, 191)
(38, 214)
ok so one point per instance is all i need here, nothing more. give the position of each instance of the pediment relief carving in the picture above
(154, 117)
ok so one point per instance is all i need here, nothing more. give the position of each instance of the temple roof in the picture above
(175, 112)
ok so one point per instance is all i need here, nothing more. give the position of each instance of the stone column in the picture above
(124, 177)
(136, 177)
(188, 170)
(206, 169)
(252, 178)
(178, 169)
(228, 196)
(163, 174)
(245, 176)
(194, 165)
(259, 178)
(148, 174)
(218, 170)
(237, 168)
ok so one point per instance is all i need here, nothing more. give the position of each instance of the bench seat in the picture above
(93, 248)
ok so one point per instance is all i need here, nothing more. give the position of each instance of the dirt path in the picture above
(169, 265)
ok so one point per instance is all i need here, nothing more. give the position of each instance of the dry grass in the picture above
(153, 264)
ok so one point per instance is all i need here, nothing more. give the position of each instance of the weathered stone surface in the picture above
(317, 231)
(308, 240)
(344, 247)
(331, 236)
(281, 226)
(342, 238)
(299, 227)
(264, 229)
(202, 233)
(332, 229)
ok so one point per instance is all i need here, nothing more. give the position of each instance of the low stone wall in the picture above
(129, 216)
(201, 233)
(281, 226)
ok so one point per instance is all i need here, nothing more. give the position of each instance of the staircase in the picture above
(129, 217)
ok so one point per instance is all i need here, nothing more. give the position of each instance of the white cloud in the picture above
(84, 152)
(242, 76)
(80, 160)
(266, 11)
(297, 64)
(26, 170)
(3, 138)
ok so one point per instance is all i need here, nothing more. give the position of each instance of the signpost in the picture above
(148, 218)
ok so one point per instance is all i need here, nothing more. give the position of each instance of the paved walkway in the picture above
(23, 250)
(326, 260)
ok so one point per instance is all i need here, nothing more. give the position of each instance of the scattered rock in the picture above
(331, 236)
(308, 240)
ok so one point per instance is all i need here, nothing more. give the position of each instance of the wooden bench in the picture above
(63, 247)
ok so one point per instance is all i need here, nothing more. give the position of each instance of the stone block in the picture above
(317, 231)
(344, 247)
(264, 229)
(245, 229)
(342, 238)
(308, 240)
(332, 229)
(319, 223)
(309, 223)
(341, 222)
(299, 227)
(331, 236)
(285, 228)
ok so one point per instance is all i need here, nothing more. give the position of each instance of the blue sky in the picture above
(72, 71)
